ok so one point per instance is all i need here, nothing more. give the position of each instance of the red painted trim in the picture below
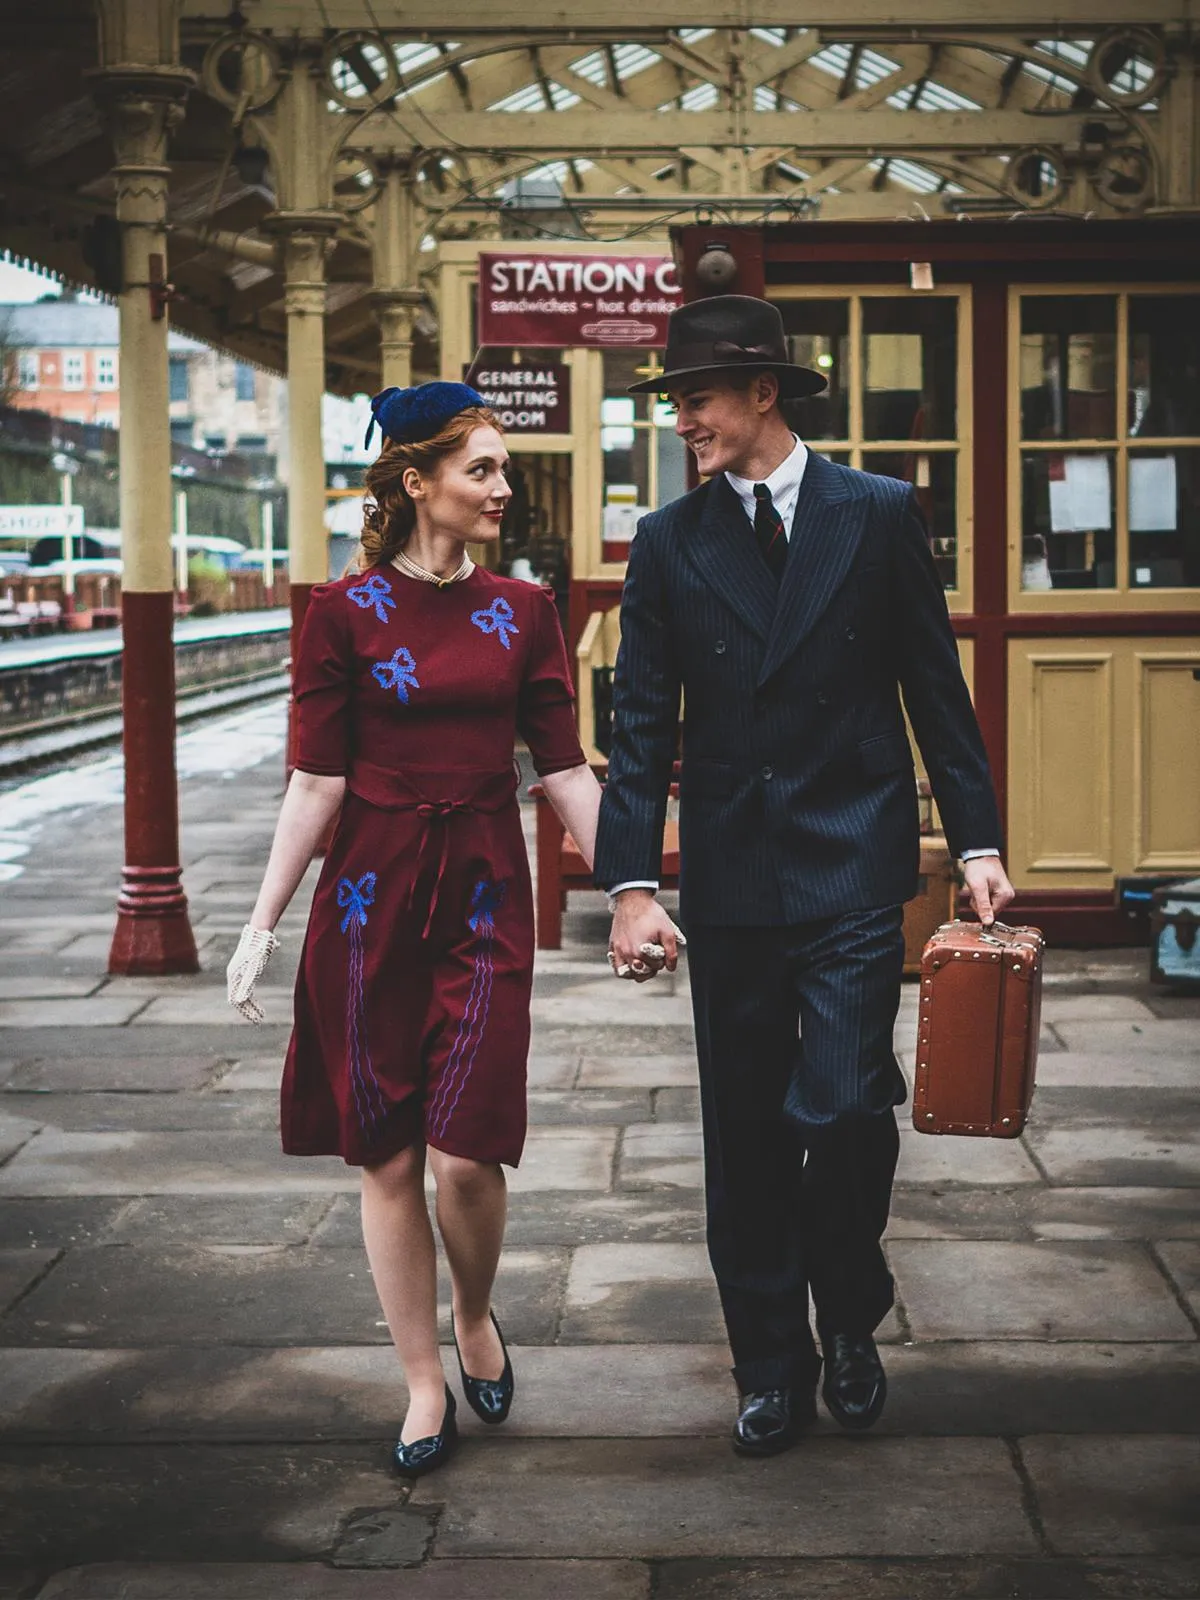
(746, 246)
(989, 352)
(153, 936)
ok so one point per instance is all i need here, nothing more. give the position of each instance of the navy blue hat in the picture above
(410, 415)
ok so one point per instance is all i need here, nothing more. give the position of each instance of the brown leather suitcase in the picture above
(977, 1034)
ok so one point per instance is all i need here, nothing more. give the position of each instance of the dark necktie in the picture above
(768, 530)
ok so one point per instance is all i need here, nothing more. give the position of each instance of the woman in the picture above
(415, 674)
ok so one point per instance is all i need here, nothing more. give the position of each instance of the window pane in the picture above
(1068, 366)
(672, 461)
(243, 382)
(623, 367)
(178, 378)
(1067, 520)
(818, 333)
(1164, 519)
(910, 356)
(935, 478)
(1164, 365)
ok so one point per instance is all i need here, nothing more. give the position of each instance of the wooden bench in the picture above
(561, 868)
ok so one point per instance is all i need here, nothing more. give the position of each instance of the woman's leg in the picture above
(471, 1206)
(400, 1248)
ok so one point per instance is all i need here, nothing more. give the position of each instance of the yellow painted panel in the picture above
(1167, 753)
(1061, 800)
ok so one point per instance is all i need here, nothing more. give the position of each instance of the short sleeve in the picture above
(546, 703)
(322, 682)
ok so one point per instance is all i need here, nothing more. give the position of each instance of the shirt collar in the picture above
(785, 479)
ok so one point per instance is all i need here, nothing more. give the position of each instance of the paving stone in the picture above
(967, 1578)
(71, 1506)
(603, 1043)
(249, 1294)
(638, 1072)
(255, 1074)
(1171, 1038)
(676, 1105)
(550, 1107)
(168, 1163)
(88, 1044)
(1112, 1213)
(1182, 1260)
(16, 1132)
(552, 1072)
(1135, 1069)
(208, 1006)
(1058, 1008)
(937, 1159)
(92, 1013)
(661, 1153)
(635, 1293)
(651, 1216)
(218, 1219)
(438, 1580)
(664, 1498)
(20, 1268)
(920, 1213)
(1117, 1495)
(1090, 1289)
(1105, 1156)
(43, 987)
(619, 1012)
(566, 1158)
(55, 1222)
(146, 1113)
(84, 1073)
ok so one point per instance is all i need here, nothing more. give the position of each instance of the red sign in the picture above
(530, 390)
(584, 299)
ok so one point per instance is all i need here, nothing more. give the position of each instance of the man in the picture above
(793, 602)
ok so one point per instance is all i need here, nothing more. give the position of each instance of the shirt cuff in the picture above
(975, 855)
(633, 883)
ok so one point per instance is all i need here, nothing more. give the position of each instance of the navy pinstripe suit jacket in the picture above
(797, 792)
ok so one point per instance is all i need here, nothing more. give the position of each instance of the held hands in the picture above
(249, 961)
(643, 939)
(989, 888)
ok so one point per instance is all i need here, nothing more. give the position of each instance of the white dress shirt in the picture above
(784, 484)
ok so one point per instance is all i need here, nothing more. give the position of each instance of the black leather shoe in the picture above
(772, 1420)
(424, 1455)
(855, 1386)
(489, 1398)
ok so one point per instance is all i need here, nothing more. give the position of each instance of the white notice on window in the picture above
(1153, 500)
(1080, 495)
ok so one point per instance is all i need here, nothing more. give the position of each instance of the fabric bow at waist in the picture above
(437, 796)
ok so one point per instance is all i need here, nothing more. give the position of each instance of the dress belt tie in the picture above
(437, 814)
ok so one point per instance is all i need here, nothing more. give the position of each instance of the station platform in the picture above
(198, 1395)
(52, 648)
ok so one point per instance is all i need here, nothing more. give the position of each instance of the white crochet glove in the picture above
(247, 966)
(655, 958)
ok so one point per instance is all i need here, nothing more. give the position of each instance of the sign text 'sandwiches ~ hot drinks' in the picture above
(565, 300)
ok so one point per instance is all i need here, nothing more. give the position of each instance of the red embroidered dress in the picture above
(412, 999)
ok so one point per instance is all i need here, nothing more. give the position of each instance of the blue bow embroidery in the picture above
(377, 593)
(485, 902)
(356, 897)
(399, 673)
(498, 618)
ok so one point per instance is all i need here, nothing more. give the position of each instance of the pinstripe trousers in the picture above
(798, 1085)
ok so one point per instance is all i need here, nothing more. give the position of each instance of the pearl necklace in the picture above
(410, 568)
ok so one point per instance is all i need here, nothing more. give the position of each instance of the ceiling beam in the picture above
(584, 131)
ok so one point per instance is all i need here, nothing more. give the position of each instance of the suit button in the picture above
(720, 647)
(822, 698)
(851, 635)
(768, 773)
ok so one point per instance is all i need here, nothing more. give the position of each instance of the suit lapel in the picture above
(722, 549)
(826, 530)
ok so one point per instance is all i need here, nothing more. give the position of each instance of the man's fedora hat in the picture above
(729, 333)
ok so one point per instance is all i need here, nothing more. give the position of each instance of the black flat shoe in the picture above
(772, 1420)
(855, 1386)
(424, 1455)
(489, 1398)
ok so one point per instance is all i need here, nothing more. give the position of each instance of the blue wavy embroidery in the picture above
(355, 898)
(375, 594)
(399, 673)
(498, 618)
(486, 900)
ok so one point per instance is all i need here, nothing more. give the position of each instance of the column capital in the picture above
(141, 105)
